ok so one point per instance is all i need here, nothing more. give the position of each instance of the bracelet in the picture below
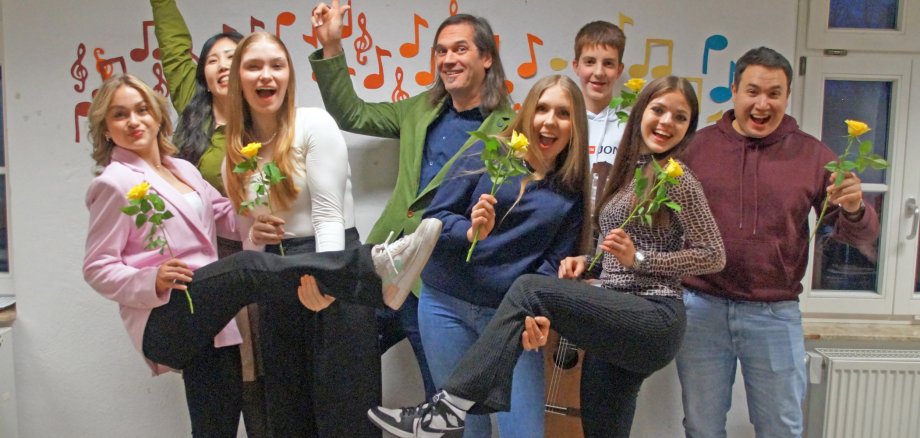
(250, 237)
(856, 215)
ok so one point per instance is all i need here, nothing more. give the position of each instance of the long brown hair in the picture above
(570, 170)
(156, 104)
(624, 167)
(240, 132)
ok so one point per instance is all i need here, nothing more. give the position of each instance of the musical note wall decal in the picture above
(426, 78)
(699, 87)
(375, 80)
(722, 94)
(255, 23)
(558, 64)
(80, 110)
(364, 42)
(624, 20)
(409, 50)
(346, 25)
(78, 71)
(398, 93)
(714, 42)
(228, 29)
(140, 54)
(453, 8)
(311, 38)
(640, 70)
(714, 117)
(284, 19)
(161, 87)
(106, 67)
(529, 69)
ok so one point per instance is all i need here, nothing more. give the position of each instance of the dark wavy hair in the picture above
(494, 94)
(195, 125)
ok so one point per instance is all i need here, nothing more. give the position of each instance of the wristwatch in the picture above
(638, 260)
(856, 215)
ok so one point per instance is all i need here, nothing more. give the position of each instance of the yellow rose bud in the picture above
(251, 150)
(673, 169)
(635, 84)
(519, 142)
(856, 128)
(139, 191)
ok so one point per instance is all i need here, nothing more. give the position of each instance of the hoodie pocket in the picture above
(755, 265)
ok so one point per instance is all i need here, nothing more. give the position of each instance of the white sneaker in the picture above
(400, 263)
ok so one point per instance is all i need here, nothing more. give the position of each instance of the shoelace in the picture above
(427, 411)
(386, 249)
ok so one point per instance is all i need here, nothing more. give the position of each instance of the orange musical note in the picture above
(140, 54)
(529, 68)
(106, 67)
(364, 42)
(398, 93)
(624, 20)
(375, 80)
(517, 106)
(509, 86)
(80, 110)
(640, 70)
(284, 19)
(161, 87)
(454, 8)
(346, 26)
(409, 50)
(426, 78)
(78, 71)
(255, 23)
(311, 38)
(699, 88)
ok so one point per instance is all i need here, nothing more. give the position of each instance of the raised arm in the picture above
(175, 43)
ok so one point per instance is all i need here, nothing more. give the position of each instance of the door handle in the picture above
(914, 210)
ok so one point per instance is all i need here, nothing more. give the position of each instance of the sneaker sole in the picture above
(396, 294)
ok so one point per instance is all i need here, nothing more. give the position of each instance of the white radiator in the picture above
(864, 393)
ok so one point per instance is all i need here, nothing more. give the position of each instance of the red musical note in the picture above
(311, 38)
(255, 23)
(375, 80)
(454, 7)
(426, 78)
(228, 29)
(161, 87)
(398, 93)
(284, 19)
(529, 68)
(80, 110)
(409, 50)
(78, 71)
(364, 42)
(140, 54)
(346, 26)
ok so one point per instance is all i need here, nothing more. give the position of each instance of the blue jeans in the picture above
(449, 326)
(394, 326)
(766, 338)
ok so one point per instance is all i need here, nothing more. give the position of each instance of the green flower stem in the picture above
(476, 230)
(188, 296)
(635, 209)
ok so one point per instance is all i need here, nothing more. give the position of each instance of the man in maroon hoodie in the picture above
(762, 176)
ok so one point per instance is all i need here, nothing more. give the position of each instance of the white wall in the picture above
(77, 374)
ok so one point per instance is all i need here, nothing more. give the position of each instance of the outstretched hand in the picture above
(310, 296)
(848, 195)
(327, 20)
(536, 332)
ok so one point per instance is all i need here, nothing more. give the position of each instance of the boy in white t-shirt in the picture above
(598, 64)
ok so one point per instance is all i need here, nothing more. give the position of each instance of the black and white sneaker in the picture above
(400, 263)
(437, 418)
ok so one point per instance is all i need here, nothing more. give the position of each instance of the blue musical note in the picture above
(723, 94)
(714, 42)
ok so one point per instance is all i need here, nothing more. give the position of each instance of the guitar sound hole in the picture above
(566, 358)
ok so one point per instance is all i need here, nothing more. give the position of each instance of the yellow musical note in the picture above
(640, 70)
(624, 20)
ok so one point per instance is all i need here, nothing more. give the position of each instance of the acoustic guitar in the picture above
(562, 367)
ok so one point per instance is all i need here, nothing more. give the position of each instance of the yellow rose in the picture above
(519, 142)
(856, 128)
(139, 191)
(635, 84)
(673, 169)
(251, 150)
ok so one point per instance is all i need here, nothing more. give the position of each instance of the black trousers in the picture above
(173, 336)
(632, 336)
(214, 392)
(322, 369)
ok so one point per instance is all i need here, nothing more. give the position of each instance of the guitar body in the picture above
(562, 367)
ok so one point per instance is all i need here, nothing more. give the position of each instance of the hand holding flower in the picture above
(482, 218)
(848, 195)
(267, 230)
(620, 245)
(269, 175)
(173, 274)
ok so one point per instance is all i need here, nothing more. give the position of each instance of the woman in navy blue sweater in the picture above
(528, 227)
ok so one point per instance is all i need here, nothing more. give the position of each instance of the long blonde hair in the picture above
(156, 104)
(240, 132)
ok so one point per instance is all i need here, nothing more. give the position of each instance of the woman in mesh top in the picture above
(633, 325)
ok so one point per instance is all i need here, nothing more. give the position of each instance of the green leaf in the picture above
(865, 147)
(167, 215)
(832, 166)
(839, 179)
(622, 115)
(848, 166)
(157, 202)
(648, 219)
(616, 102)
(145, 205)
(877, 162)
(674, 206)
(131, 210)
(140, 220)
(479, 135)
(273, 173)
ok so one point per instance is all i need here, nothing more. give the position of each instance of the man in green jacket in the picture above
(468, 94)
